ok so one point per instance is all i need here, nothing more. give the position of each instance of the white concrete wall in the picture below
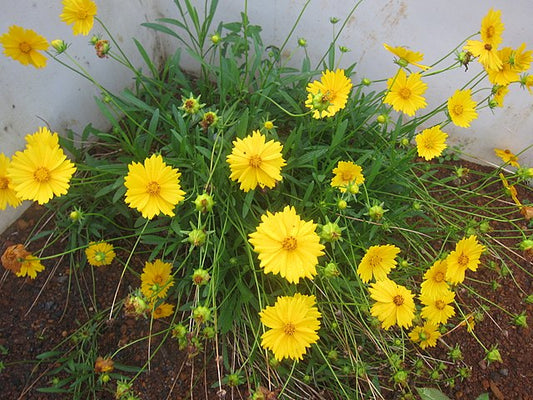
(430, 26)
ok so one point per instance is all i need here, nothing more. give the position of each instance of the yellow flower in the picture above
(254, 161)
(329, 95)
(462, 108)
(153, 188)
(511, 189)
(487, 54)
(465, 256)
(39, 173)
(377, 262)
(499, 95)
(431, 142)
(507, 73)
(8, 196)
(406, 56)
(293, 322)
(30, 266)
(426, 335)
(347, 173)
(435, 279)
(162, 310)
(80, 14)
(520, 60)
(287, 245)
(24, 45)
(405, 93)
(508, 157)
(437, 308)
(99, 253)
(394, 304)
(156, 279)
(492, 28)
(43, 137)
(527, 82)
(268, 125)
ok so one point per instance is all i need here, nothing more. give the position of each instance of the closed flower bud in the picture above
(382, 118)
(197, 237)
(376, 212)
(268, 125)
(331, 270)
(94, 39)
(215, 38)
(200, 277)
(526, 245)
(342, 204)
(344, 49)
(400, 377)
(493, 355)
(204, 203)
(366, 82)
(525, 173)
(331, 232)
(333, 20)
(455, 353)
(76, 215)
(302, 42)
(179, 331)
(59, 45)
(353, 188)
(201, 314)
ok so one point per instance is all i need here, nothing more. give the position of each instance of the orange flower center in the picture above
(153, 188)
(24, 47)
(375, 260)
(42, 174)
(4, 182)
(289, 243)
(255, 161)
(405, 93)
(347, 176)
(82, 14)
(488, 46)
(289, 329)
(458, 109)
(463, 260)
(158, 279)
(439, 277)
(439, 304)
(398, 300)
(490, 31)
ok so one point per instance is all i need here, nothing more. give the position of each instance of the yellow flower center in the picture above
(99, 256)
(158, 279)
(42, 174)
(463, 260)
(439, 304)
(153, 188)
(289, 329)
(398, 300)
(375, 260)
(439, 277)
(458, 109)
(4, 183)
(289, 243)
(405, 93)
(82, 14)
(347, 176)
(24, 47)
(490, 31)
(255, 161)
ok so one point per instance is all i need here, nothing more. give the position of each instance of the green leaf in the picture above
(431, 394)
(483, 396)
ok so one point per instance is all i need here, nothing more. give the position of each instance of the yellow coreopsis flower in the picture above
(24, 45)
(487, 54)
(287, 245)
(394, 304)
(43, 137)
(328, 95)
(520, 59)
(406, 56)
(492, 27)
(499, 94)
(431, 142)
(99, 253)
(153, 187)
(507, 156)
(437, 308)
(462, 108)
(426, 335)
(507, 73)
(163, 310)
(377, 262)
(30, 266)
(255, 162)
(8, 195)
(156, 279)
(405, 93)
(293, 322)
(527, 82)
(40, 173)
(465, 256)
(347, 173)
(435, 279)
(80, 14)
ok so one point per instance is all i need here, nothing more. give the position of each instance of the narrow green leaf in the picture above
(431, 394)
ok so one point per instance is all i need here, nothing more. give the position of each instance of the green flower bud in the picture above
(367, 82)
(382, 118)
(201, 314)
(331, 232)
(525, 173)
(404, 142)
(333, 355)
(493, 355)
(376, 212)
(400, 377)
(76, 215)
(191, 105)
(215, 38)
(197, 237)
(302, 42)
(59, 45)
(179, 331)
(342, 204)
(200, 277)
(455, 353)
(344, 49)
(520, 320)
(333, 20)
(234, 380)
(484, 227)
(331, 270)
(204, 203)
(209, 332)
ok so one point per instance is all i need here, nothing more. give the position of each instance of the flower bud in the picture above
(201, 314)
(76, 215)
(331, 270)
(400, 377)
(204, 203)
(376, 212)
(520, 320)
(302, 42)
(209, 119)
(197, 237)
(331, 232)
(526, 245)
(333, 20)
(268, 125)
(493, 103)
(215, 38)
(200, 277)
(102, 48)
(179, 331)
(94, 39)
(404, 142)
(344, 49)
(455, 353)
(484, 227)
(191, 105)
(59, 45)
(333, 355)
(123, 388)
(402, 62)
(208, 332)
(342, 204)
(525, 173)
(366, 82)
(493, 355)
(135, 305)
(352, 188)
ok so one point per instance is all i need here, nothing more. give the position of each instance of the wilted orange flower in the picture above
(103, 365)
(14, 256)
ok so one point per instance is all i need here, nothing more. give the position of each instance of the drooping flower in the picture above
(156, 279)
(153, 187)
(499, 94)
(163, 310)
(287, 245)
(492, 27)
(328, 95)
(437, 308)
(99, 253)
(394, 304)
(80, 14)
(293, 322)
(30, 266)
(406, 56)
(526, 81)
(254, 161)
(42, 137)
(405, 93)
(507, 156)
(13, 256)
(39, 173)
(462, 108)
(347, 173)
(431, 142)
(435, 279)
(23, 45)
(425, 335)
(465, 256)
(103, 365)
(377, 262)
(8, 196)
